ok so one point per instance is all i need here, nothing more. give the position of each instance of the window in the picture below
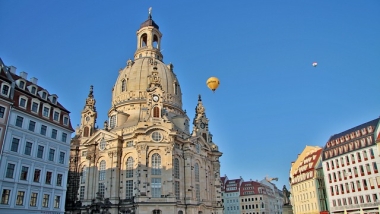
(130, 144)
(196, 172)
(81, 193)
(45, 112)
(2, 111)
(156, 211)
(101, 189)
(112, 121)
(32, 125)
(123, 85)
(54, 133)
(34, 107)
(5, 196)
(176, 190)
(129, 188)
(129, 171)
(21, 84)
(56, 116)
(176, 168)
(19, 121)
(22, 102)
(197, 192)
(5, 90)
(61, 157)
(51, 154)
(84, 175)
(20, 198)
(102, 170)
(28, 148)
(54, 100)
(24, 173)
(156, 187)
(45, 200)
(156, 164)
(40, 151)
(65, 120)
(33, 90)
(57, 201)
(156, 136)
(44, 95)
(33, 199)
(48, 177)
(43, 129)
(36, 176)
(102, 144)
(64, 137)
(156, 112)
(84, 153)
(10, 170)
(15, 143)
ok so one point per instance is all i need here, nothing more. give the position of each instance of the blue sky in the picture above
(271, 102)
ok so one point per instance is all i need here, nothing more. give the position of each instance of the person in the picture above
(286, 195)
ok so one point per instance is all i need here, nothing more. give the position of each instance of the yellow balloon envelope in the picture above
(212, 83)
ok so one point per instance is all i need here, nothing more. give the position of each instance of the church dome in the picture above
(146, 71)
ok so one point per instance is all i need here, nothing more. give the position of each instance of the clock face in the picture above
(87, 118)
(155, 98)
(203, 125)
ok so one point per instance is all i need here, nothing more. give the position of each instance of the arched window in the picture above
(156, 112)
(196, 171)
(180, 212)
(86, 132)
(155, 41)
(102, 170)
(143, 40)
(84, 175)
(123, 85)
(129, 172)
(156, 164)
(156, 211)
(176, 168)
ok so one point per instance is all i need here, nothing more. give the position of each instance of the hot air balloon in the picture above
(315, 64)
(213, 83)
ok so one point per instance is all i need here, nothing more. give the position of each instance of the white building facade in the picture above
(35, 156)
(351, 168)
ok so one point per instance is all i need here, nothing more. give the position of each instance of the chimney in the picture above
(34, 80)
(23, 75)
(12, 69)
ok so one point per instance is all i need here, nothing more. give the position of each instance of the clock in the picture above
(155, 98)
(203, 125)
(87, 118)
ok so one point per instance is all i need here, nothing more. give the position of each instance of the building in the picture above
(36, 146)
(351, 169)
(275, 197)
(303, 181)
(145, 159)
(5, 101)
(231, 195)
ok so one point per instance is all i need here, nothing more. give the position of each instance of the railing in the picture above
(356, 206)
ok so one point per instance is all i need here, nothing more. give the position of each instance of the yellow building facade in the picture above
(147, 159)
(303, 178)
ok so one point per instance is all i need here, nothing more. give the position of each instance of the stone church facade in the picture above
(146, 159)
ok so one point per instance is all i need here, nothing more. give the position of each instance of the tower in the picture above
(144, 159)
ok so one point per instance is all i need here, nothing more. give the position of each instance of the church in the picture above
(147, 158)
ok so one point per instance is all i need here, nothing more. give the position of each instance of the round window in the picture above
(156, 136)
(102, 145)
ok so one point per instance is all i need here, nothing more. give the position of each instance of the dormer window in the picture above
(35, 106)
(5, 89)
(22, 102)
(44, 95)
(33, 90)
(56, 115)
(65, 120)
(46, 111)
(21, 84)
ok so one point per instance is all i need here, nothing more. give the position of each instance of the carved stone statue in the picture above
(286, 195)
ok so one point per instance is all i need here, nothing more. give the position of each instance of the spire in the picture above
(150, 13)
(90, 101)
